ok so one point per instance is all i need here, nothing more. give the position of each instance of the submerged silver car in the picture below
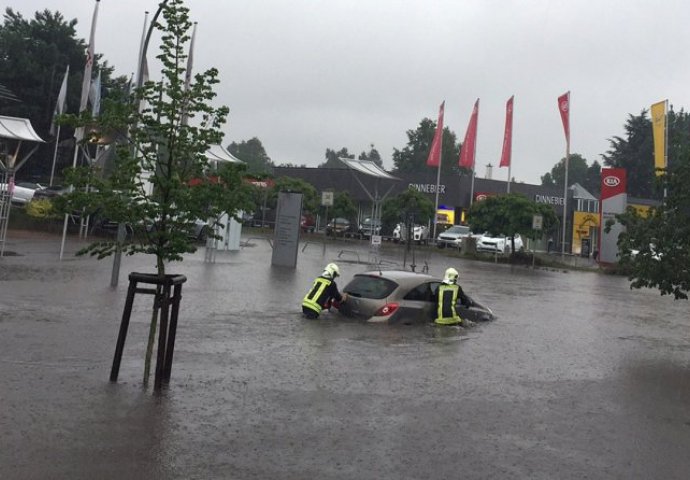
(396, 296)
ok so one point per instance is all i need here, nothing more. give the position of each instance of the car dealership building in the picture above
(454, 191)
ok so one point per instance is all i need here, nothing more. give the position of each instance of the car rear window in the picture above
(370, 286)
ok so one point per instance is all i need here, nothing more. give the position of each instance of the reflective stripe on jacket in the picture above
(317, 296)
(447, 299)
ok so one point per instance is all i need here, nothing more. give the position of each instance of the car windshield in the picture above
(370, 286)
(461, 229)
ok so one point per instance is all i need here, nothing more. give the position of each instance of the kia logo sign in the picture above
(480, 197)
(612, 181)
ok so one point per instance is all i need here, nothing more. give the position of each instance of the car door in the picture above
(419, 304)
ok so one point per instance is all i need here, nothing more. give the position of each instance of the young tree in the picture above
(654, 248)
(162, 180)
(510, 214)
(410, 202)
(343, 206)
(310, 199)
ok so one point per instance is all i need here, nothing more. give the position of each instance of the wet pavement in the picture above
(579, 377)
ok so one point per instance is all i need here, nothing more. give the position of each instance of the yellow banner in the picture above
(659, 132)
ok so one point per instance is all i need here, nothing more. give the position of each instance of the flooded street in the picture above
(578, 377)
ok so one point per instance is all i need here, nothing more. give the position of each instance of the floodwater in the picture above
(578, 377)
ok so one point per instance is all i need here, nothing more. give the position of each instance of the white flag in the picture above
(95, 95)
(88, 67)
(61, 99)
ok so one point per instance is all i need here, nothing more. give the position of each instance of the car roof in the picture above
(401, 277)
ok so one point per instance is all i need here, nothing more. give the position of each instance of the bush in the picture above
(41, 208)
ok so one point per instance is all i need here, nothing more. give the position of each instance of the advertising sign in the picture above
(614, 199)
(286, 234)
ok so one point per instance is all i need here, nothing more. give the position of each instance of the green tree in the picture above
(310, 199)
(252, 152)
(33, 56)
(162, 149)
(635, 150)
(332, 158)
(410, 202)
(372, 155)
(168, 152)
(578, 172)
(413, 157)
(510, 214)
(292, 165)
(654, 248)
(343, 206)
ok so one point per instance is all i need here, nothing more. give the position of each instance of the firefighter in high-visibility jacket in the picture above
(323, 293)
(447, 298)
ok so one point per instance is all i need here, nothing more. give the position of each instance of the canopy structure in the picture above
(217, 153)
(15, 128)
(370, 169)
(367, 167)
(18, 130)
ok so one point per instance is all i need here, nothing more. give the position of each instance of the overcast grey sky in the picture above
(303, 75)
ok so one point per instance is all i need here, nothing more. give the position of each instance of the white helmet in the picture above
(331, 271)
(451, 276)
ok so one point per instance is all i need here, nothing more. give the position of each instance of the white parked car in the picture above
(500, 244)
(420, 234)
(21, 193)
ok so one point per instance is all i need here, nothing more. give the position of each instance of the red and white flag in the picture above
(507, 135)
(469, 146)
(564, 108)
(434, 158)
(88, 67)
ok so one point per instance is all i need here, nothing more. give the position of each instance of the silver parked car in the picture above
(396, 296)
(453, 236)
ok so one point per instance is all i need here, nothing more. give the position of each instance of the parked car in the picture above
(453, 236)
(338, 227)
(400, 297)
(307, 223)
(21, 195)
(369, 227)
(51, 192)
(500, 244)
(420, 234)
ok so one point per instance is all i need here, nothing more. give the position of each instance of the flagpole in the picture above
(59, 110)
(85, 86)
(565, 182)
(436, 156)
(438, 183)
(665, 143)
